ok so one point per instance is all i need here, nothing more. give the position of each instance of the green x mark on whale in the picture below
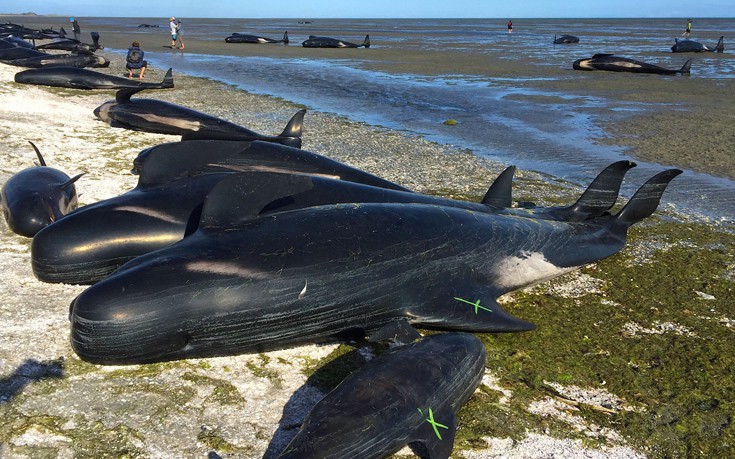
(433, 423)
(476, 304)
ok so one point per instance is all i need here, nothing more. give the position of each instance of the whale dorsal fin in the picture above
(500, 193)
(124, 95)
(434, 437)
(241, 197)
(644, 202)
(599, 55)
(168, 79)
(293, 129)
(41, 162)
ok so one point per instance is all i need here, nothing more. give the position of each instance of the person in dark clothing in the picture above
(75, 28)
(134, 60)
(510, 26)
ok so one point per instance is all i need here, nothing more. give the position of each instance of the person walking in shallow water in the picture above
(173, 28)
(510, 26)
(689, 28)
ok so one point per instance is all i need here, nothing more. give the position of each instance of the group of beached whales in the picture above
(237, 242)
(613, 63)
(312, 42)
(16, 49)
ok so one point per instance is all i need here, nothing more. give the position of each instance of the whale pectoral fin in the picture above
(478, 313)
(242, 197)
(500, 193)
(398, 331)
(434, 438)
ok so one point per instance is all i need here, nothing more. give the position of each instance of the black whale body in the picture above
(613, 63)
(157, 116)
(327, 42)
(79, 78)
(175, 178)
(329, 272)
(565, 39)
(77, 59)
(691, 46)
(255, 39)
(385, 405)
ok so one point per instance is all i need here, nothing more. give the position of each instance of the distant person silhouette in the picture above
(510, 26)
(75, 28)
(178, 34)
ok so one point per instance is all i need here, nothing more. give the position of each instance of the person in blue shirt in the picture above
(134, 60)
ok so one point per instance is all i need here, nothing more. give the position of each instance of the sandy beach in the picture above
(533, 402)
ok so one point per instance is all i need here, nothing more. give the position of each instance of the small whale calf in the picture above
(408, 395)
(35, 197)
(157, 116)
(613, 63)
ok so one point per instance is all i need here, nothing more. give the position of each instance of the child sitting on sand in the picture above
(134, 60)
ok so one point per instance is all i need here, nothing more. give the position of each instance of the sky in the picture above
(377, 8)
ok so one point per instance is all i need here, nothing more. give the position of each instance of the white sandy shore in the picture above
(231, 405)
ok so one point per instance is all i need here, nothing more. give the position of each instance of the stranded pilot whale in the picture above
(175, 179)
(75, 59)
(612, 63)
(157, 116)
(35, 197)
(331, 272)
(77, 78)
(408, 395)
(326, 42)
(565, 39)
(246, 38)
(691, 46)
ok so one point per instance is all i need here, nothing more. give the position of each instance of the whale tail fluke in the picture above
(686, 67)
(291, 135)
(602, 193)
(720, 45)
(71, 181)
(41, 162)
(95, 41)
(366, 42)
(500, 193)
(644, 202)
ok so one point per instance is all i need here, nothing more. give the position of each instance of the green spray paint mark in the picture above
(476, 304)
(433, 423)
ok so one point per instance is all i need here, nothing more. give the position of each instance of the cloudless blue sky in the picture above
(377, 8)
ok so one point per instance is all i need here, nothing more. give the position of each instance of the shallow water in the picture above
(507, 117)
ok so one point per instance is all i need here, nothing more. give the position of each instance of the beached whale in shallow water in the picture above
(691, 46)
(613, 63)
(331, 272)
(35, 197)
(326, 42)
(157, 116)
(77, 78)
(563, 39)
(175, 178)
(245, 38)
(409, 395)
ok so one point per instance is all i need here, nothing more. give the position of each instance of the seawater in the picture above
(557, 139)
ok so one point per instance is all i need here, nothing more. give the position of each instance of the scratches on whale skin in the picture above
(175, 122)
(148, 212)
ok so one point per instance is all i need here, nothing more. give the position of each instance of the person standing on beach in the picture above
(510, 26)
(75, 28)
(689, 28)
(173, 28)
(178, 34)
